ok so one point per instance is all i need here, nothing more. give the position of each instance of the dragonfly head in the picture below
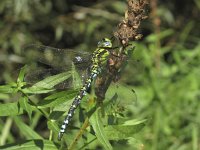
(105, 43)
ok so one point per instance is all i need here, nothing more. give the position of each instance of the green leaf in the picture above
(6, 89)
(4, 96)
(50, 82)
(22, 74)
(67, 94)
(26, 106)
(63, 106)
(46, 85)
(162, 35)
(97, 125)
(10, 109)
(50, 102)
(52, 125)
(36, 90)
(76, 80)
(119, 132)
(25, 130)
(31, 145)
(55, 114)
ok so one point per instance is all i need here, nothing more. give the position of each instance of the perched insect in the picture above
(59, 58)
(99, 59)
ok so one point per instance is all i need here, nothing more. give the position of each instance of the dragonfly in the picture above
(94, 65)
(99, 59)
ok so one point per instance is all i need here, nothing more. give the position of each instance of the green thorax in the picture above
(101, 54)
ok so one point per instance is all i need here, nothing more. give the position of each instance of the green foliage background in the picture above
(167, 83)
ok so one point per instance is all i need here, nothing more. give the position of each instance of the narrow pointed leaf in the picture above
(22, 74)
(97, 125)
(10, 109)
(6, 89)
(36, 90)
(53, 126)
(25, 130)
(63, 97)
(31, 145)
(26, 106)
(51, 81)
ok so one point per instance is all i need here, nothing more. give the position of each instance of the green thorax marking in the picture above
(100, 55)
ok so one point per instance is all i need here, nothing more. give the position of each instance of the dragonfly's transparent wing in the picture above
(56, 57)
(126, 95)
(121, 98)
(47, 61)
(133, 72)
(74, 81)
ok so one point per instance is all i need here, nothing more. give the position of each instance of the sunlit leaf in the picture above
(51, 81)
(6, 89)
(124, 131)
(10, 109)
(22, 74)
(31, 145)
(53, 101)
(26, 106)
(97, 125)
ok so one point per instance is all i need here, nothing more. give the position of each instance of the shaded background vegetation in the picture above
(167, 84)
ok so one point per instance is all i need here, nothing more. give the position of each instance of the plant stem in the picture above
(80, 133)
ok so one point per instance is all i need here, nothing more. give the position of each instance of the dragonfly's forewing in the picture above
(56, 57)
(47, 61)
